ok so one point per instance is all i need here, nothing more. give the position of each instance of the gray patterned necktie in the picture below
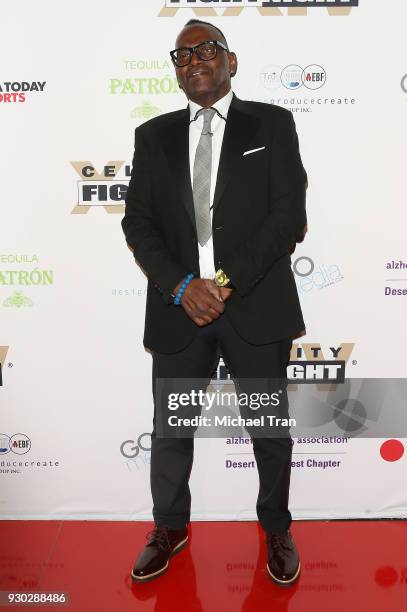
(202, 178)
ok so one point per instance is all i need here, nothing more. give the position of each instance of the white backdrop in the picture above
(76, 79)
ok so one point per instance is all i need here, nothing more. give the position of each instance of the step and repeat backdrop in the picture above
(76, 79)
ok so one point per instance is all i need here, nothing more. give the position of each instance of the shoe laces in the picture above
(159, 537)
(277, 540)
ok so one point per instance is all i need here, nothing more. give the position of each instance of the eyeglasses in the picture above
(206, 51)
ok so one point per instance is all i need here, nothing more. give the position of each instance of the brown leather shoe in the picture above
(283, 561)
(154, 558)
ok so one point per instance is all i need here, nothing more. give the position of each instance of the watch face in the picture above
(220, 278)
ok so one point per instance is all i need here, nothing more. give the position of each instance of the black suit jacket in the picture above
(258, 215)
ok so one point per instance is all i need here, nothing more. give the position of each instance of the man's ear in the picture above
(232, 63)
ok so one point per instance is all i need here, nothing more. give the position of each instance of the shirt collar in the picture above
(222, 105)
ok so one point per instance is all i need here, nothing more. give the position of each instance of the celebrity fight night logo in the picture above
(3, 355)
(106, 188)
(233, 8)
(309, 363)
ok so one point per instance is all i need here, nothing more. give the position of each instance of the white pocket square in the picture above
(253, 151)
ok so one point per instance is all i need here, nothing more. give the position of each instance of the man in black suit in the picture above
(215, 204)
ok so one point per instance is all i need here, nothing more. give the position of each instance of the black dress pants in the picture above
(171, 458)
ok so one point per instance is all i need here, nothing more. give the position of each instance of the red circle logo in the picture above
(392, 450)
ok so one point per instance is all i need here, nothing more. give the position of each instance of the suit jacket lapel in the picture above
(239, 131)
(176, 146)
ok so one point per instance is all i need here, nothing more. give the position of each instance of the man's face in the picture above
(204, 82)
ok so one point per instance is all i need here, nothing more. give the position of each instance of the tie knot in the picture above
(208, 114)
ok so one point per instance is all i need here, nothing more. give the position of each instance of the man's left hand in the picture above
(225, 293)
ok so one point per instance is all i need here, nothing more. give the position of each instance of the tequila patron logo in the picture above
(3, 355)
(22, 270)
(146, 110)
(145, 77)
(233, 8)
(101, 188)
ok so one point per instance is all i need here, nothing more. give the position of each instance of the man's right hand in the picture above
(202, 300)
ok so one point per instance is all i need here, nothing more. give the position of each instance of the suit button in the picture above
(220, 227)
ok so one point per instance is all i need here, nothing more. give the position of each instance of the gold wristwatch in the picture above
(221, 280)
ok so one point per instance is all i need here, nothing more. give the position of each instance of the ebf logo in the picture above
(313, 76)
(18, 444)
(293, 77)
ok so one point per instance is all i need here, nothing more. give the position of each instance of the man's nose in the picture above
(195, 59)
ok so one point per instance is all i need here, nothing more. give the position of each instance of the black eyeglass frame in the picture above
(195, 49)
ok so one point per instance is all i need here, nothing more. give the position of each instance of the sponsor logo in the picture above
(293, 77)
(132, 292)
(148, 77)
(308, 364)
(19, 91)
(137, 452)
(15, 271)
(233, 8)
(392, 450)
(292, 86)
(313, 76)
(396, 290)
(19, 444)
(131, 449)
(3, 355)
(145, 111)
(270, 77)
(18, 300)
(101, 188)
(309, 276)
(388, 576)
(297, 88)
(264, 3)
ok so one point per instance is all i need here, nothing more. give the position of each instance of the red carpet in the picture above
(350, 566)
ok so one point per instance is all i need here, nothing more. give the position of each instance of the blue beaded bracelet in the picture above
(180, 293)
